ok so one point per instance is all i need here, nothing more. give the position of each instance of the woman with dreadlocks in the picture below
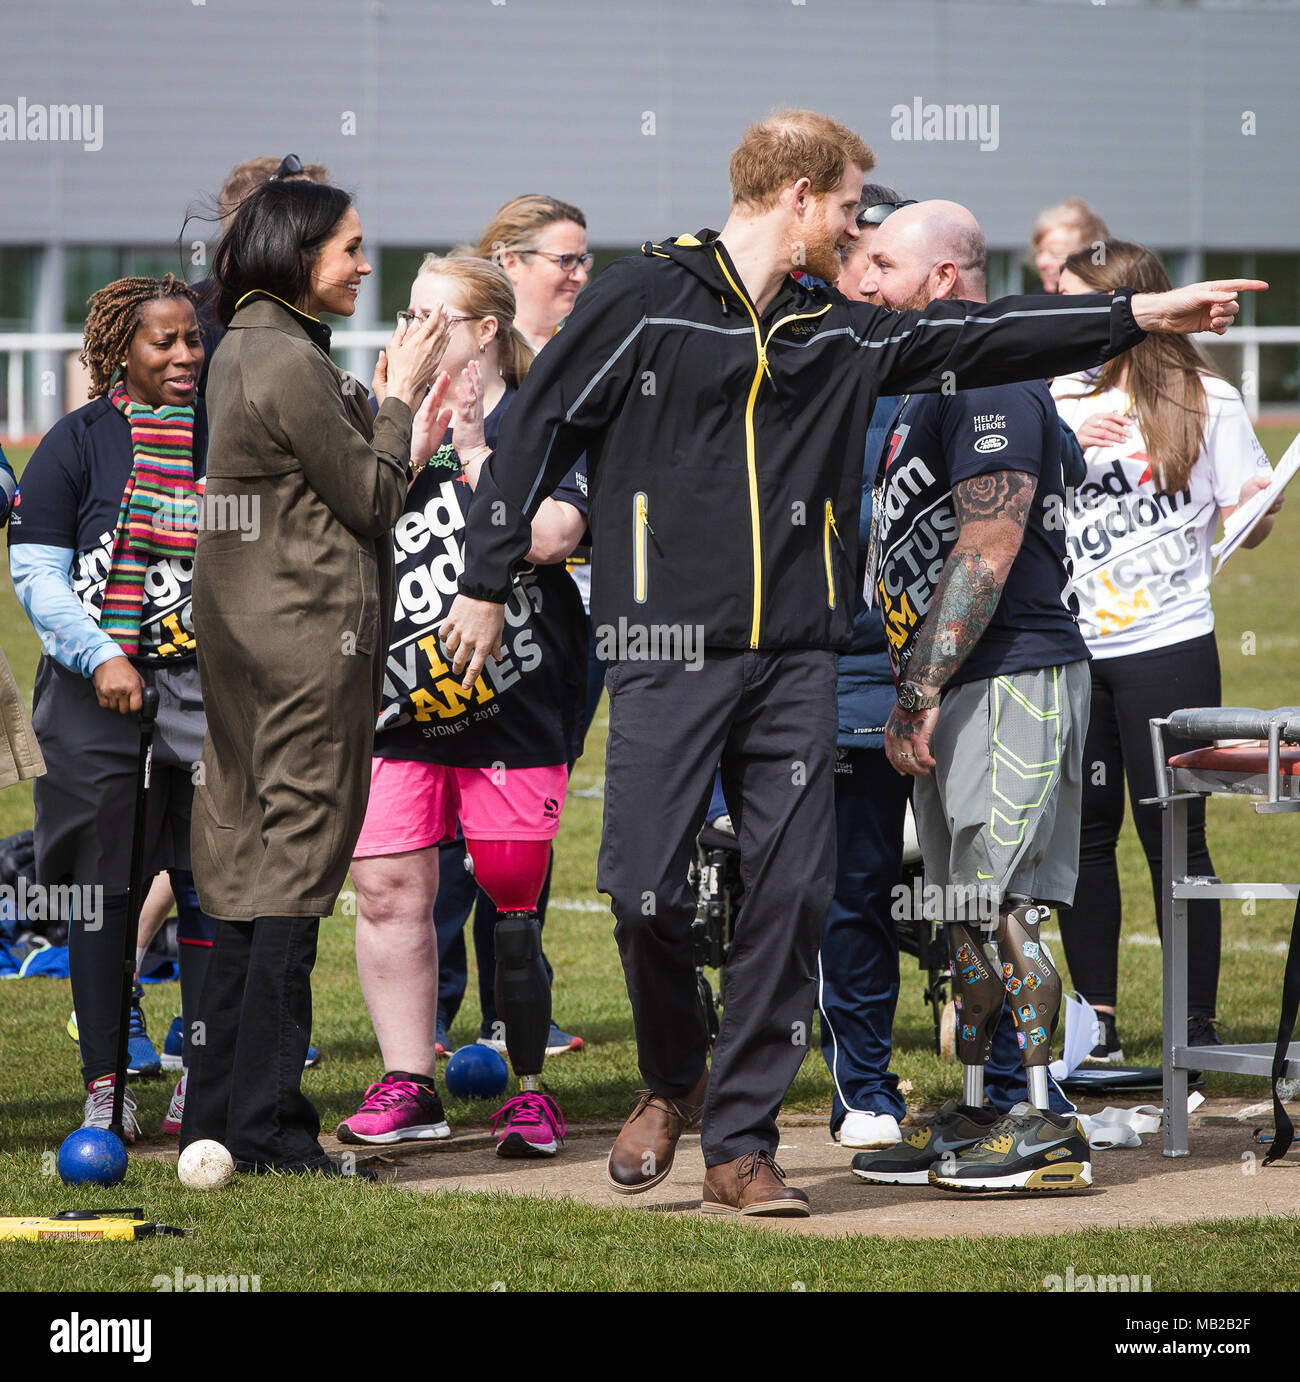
(101, 551)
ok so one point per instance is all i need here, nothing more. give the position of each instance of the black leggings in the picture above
(1126, 693)
(95, 966)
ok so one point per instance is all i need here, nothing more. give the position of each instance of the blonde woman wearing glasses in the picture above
(541, 243)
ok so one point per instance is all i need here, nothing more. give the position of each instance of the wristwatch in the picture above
(911, 698)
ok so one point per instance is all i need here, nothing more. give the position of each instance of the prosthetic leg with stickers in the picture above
(512, 873)
(1030, 1148)
(966, 1146)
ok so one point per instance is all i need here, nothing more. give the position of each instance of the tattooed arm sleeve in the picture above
(991, 514)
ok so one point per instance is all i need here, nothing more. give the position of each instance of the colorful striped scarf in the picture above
(159, 513)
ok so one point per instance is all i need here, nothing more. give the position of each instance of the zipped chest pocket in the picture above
(641, 531)
(829, 532)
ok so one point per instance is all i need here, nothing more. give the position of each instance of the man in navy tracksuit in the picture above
(857, 965)
(718, 401)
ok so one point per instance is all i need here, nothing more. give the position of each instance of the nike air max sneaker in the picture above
(396, 1110)
(954, 1127)
(1024, 1150)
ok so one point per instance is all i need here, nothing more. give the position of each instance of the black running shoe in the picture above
(1107, 1049)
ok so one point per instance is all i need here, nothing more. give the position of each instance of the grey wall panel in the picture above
(461, 103)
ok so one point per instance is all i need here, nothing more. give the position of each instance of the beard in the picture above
(819, 253)
(919, 299)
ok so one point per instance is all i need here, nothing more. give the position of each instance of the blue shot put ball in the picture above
(91, 1156)
(476, 1072)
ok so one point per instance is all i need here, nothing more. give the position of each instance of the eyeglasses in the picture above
(410, 318)
(873, 215)
(290, 167)
(567, 262)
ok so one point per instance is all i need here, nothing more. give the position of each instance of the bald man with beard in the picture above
(969, 569)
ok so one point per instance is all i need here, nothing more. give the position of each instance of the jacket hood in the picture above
(704, 256)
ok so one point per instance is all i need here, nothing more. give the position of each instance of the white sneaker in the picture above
(869, 1130)
(99, 1107)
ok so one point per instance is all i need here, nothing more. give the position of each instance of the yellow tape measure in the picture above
(114, 1225)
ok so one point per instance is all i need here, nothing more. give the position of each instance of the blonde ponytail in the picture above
(516, 357)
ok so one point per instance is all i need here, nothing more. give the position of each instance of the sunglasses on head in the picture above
(290, 167)
(873, 215)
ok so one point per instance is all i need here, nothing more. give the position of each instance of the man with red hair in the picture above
(723, 406)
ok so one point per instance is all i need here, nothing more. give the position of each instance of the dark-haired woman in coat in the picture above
(295, 606)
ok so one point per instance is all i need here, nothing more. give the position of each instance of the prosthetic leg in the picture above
(966, 1147)
(1025, 1150)
(1035, 988)
(985, 961)
(977, 986)
(512, 873)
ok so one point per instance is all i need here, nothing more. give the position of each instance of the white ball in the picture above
(205, 1165)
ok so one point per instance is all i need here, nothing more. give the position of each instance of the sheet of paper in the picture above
(1082, 1033)
(1239, 526)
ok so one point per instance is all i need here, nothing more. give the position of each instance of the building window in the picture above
(88, 268)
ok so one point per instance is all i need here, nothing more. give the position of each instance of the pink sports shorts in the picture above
(415, 805)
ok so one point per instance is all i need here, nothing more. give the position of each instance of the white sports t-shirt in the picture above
(1142, 559)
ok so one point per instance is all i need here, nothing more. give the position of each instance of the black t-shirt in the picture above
(71, 495)
(940, 440)
(523, 711)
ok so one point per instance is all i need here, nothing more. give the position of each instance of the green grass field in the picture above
(321, 1236)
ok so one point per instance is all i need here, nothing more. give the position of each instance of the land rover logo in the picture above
(986, 444)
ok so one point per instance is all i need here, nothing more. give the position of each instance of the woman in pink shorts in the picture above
(493, 760)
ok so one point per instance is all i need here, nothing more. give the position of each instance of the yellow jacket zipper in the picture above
(640, 527)
(751, 458)
(828, 529)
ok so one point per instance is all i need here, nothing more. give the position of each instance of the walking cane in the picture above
(134, 902)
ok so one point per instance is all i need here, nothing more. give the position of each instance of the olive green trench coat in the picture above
(293, 604)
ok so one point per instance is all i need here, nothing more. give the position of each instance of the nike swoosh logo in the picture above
(1029, 1148)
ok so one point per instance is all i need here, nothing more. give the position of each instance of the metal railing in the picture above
(361, 348)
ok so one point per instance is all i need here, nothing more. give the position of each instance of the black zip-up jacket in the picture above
(724, 449)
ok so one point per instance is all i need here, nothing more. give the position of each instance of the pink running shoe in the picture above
(531, 1124)
(396, 1110)
(171, 1125)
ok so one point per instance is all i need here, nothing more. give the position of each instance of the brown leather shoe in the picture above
(642, 1154)
(752, 1184)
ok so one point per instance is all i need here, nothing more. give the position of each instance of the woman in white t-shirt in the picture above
(1170, 451)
